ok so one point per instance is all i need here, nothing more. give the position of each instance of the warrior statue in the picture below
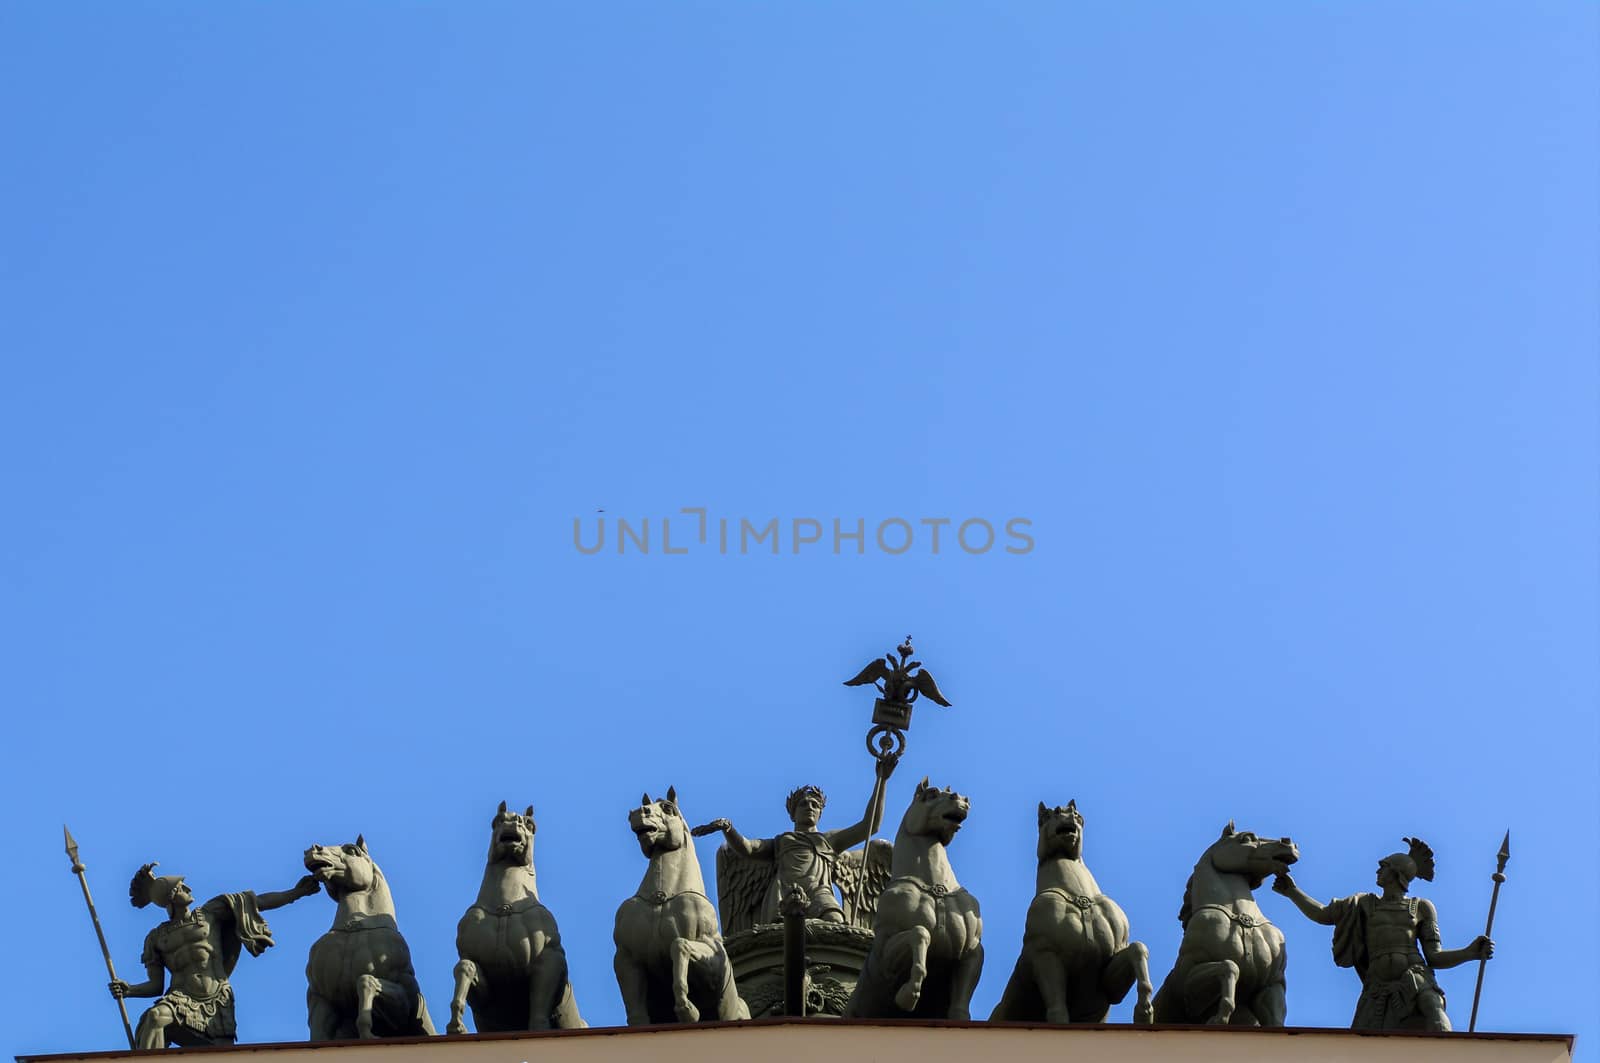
(200, 947)
(804, 859)
(1392, 941)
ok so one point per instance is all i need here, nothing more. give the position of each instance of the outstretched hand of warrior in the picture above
(886, 765)
(711, 828)
(1282, 883)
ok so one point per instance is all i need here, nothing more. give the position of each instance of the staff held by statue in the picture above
(1499, 876)
(78, 869)
(899, 683)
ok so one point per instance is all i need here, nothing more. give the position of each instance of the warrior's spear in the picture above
(78, 869)
(1499, 877)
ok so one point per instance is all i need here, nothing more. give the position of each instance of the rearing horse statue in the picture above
(359, 977)
(927, 948)
(1231, 961)
(1076, 958)
(513, 970)
(670, 962)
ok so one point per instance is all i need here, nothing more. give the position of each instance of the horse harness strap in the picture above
(1080, 901)
(527, 904)
(660, 897)
(936, 890)
(358, 923)
(1242, 920)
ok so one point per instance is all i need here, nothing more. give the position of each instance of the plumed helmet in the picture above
(147, 888)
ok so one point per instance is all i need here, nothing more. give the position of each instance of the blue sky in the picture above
(323, 323)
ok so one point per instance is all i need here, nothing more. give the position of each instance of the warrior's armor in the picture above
(1382, 940)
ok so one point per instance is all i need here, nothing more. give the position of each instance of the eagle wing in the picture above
(742, 885)
(872, 673)
(928, 688)
(873, 863)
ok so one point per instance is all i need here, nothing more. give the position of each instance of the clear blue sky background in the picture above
(322, 323)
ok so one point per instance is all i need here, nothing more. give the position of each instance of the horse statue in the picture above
(1231, 960)
(359, 977)
(927, 949)
(513, 970)
(1076, 958)
(671, 965)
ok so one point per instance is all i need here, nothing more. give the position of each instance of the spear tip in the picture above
(71, 844)
(1505, 848)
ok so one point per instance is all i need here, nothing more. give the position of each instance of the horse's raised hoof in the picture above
(687, 1012)
(906, 997)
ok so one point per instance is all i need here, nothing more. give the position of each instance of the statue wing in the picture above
(872, 864)
(872, 673)
(742, 885)
(928, 688)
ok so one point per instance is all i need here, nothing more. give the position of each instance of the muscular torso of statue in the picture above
(190, 949)
(1392, 932)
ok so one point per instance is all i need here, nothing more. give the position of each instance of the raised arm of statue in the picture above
(1440, 958)
(755, 849)
(872, 818)
(1313, 909)
(308, 886)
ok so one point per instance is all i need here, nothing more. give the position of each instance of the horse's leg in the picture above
(567, 1016)
(1270, 1005)
(368, 989)
(398, 1009)
(321, 1017)
(633, 985)
(468, 977)
(1209, 983)
(730, 1004)
(1050, 976)
(684, 952)
(421, 1018)
(544, 988)
(870, 998)
(909, 950)
(963, 980)
(1128, 967)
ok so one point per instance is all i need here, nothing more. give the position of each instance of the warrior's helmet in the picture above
(147, 888)
(1418, 863)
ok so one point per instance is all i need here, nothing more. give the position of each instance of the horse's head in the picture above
(344, 868)
(511, 837)
(1060, 831)
(935, 812)
(1244, 853)
(658, 824)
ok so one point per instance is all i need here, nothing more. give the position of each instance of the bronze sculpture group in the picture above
(887, 930)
